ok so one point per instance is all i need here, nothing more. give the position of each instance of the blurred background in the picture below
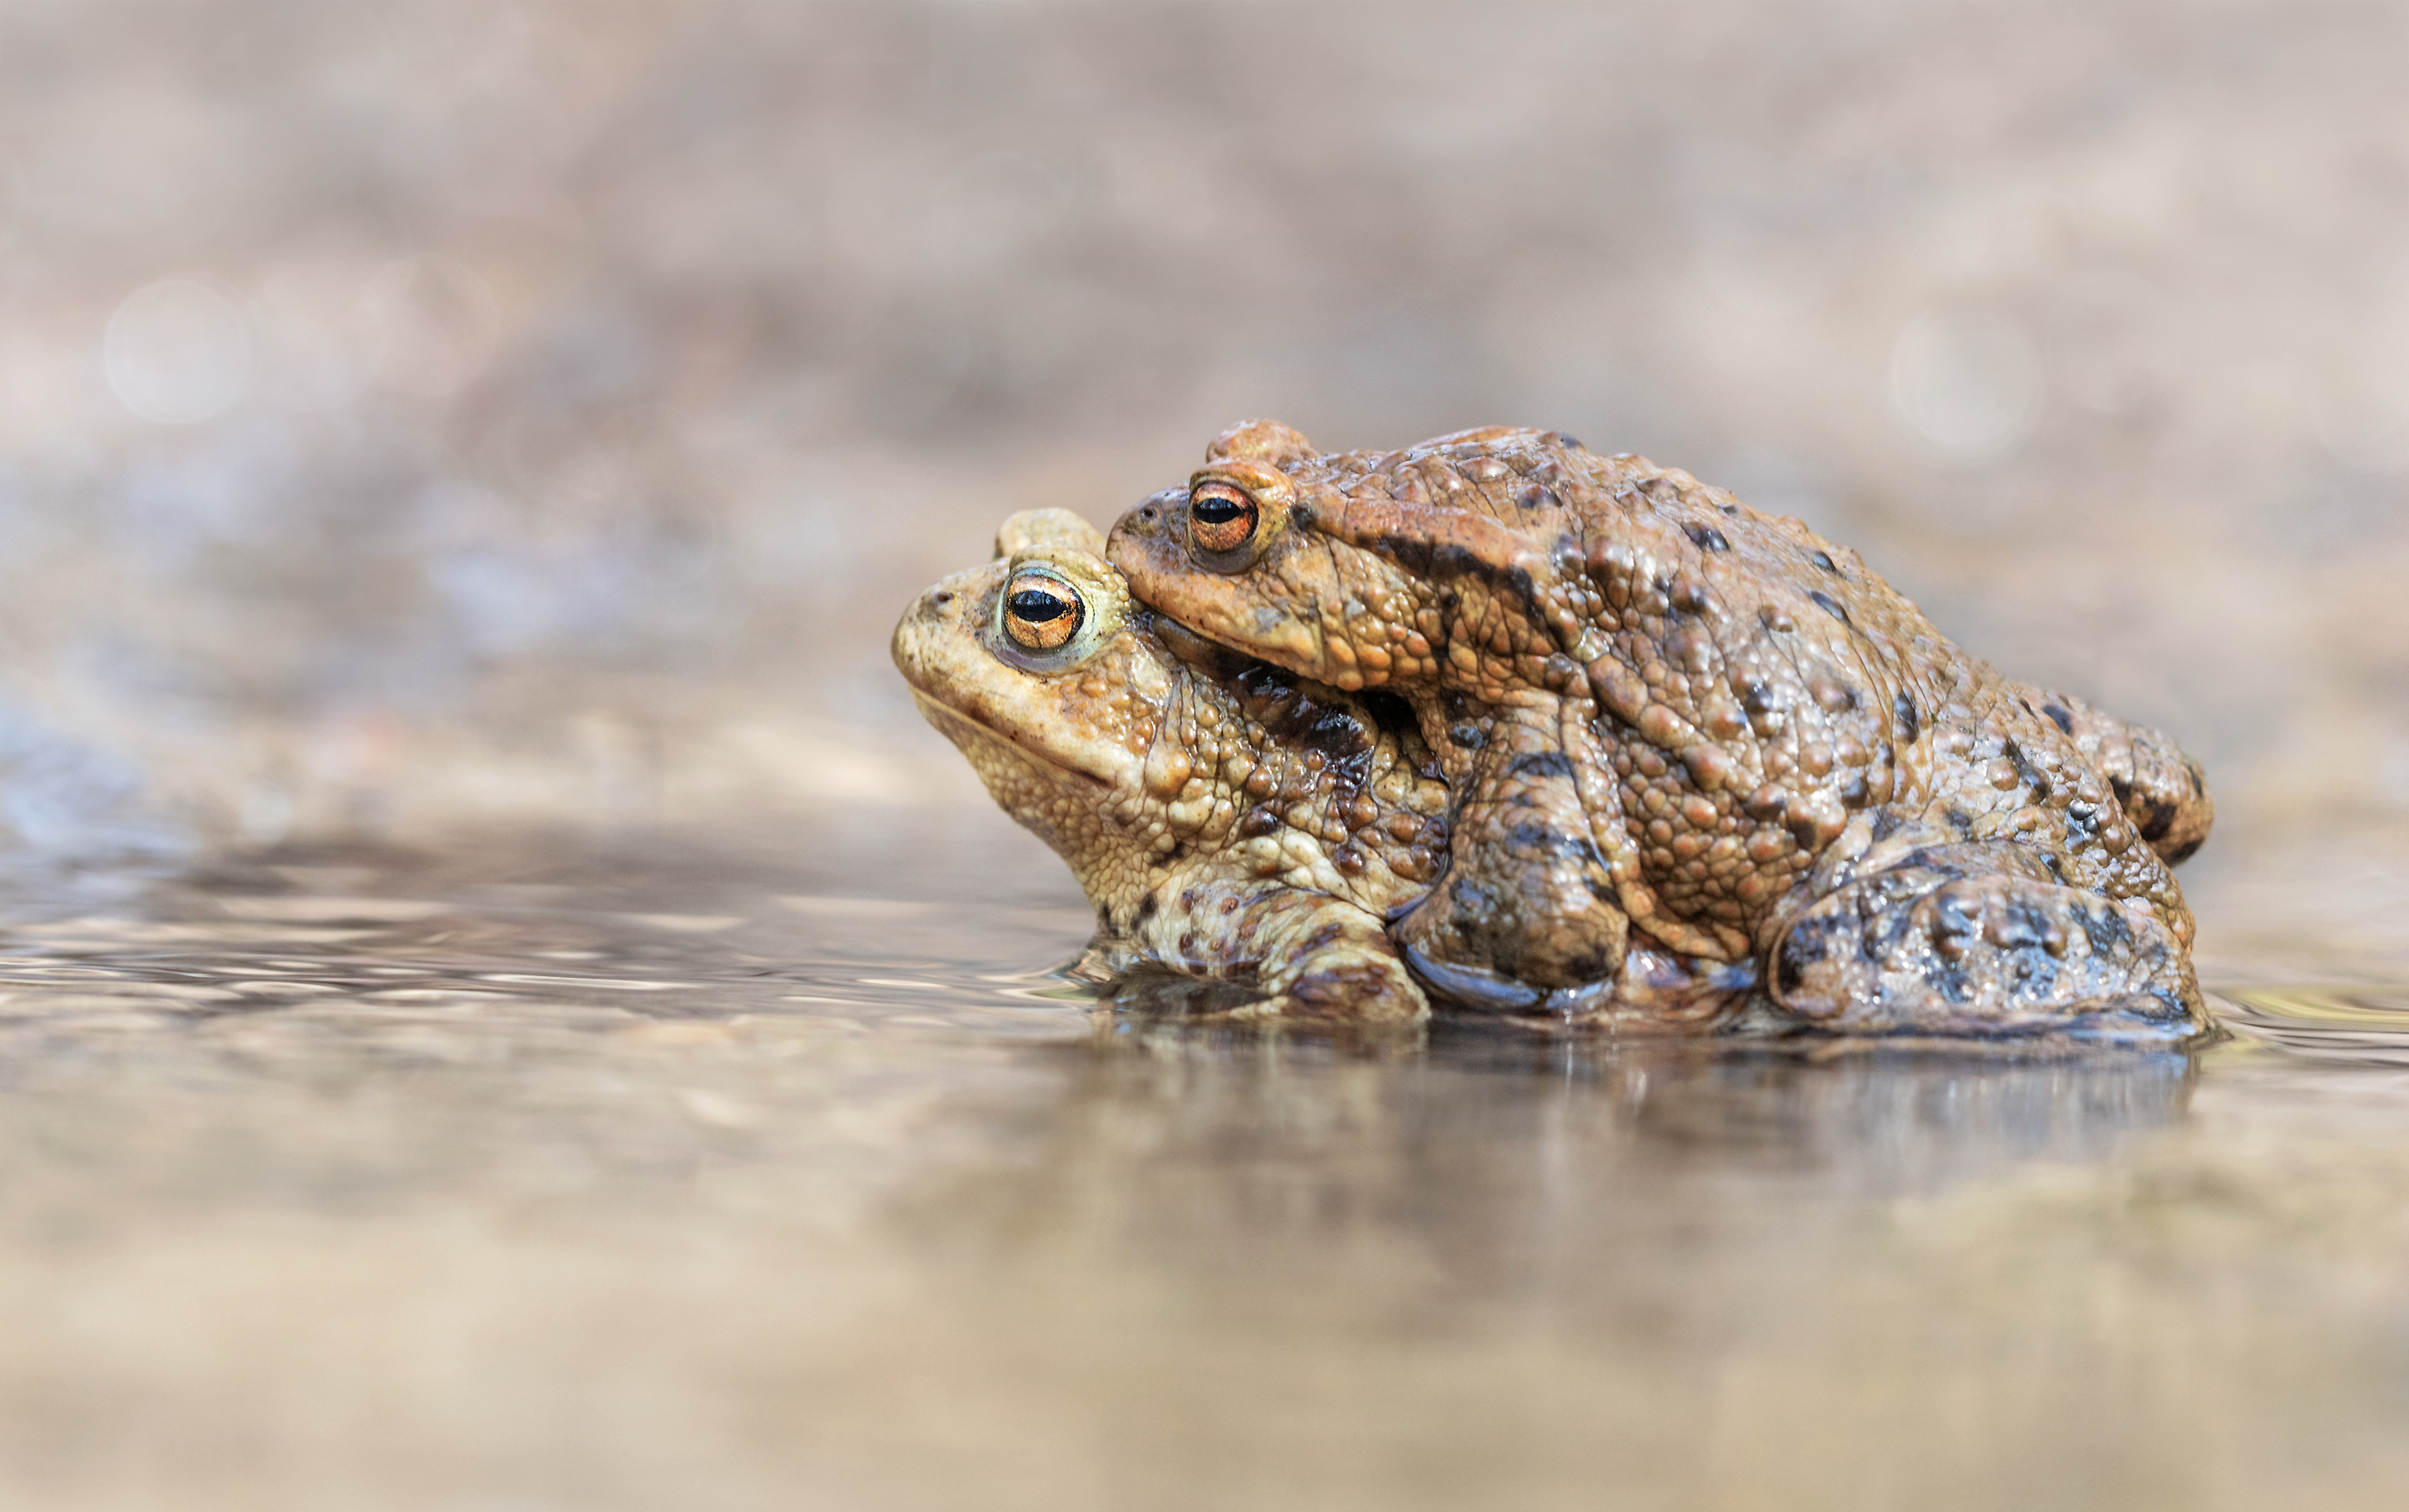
(418, 414)
(426, 423)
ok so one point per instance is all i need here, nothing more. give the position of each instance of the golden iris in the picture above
(1041, 613)
(1221, 519)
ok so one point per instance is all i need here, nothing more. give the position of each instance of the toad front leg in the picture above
(1980, 938)
(1529, 905)
(2161, 789)
(1314, 956)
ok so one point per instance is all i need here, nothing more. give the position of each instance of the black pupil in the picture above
(1218, 508)
(1036, 606)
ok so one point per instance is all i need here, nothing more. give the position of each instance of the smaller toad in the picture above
(1229, 820)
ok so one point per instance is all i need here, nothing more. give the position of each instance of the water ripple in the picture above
(2363, 1023)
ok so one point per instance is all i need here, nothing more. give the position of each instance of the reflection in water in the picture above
(1535, 1172)
(1879, 1116)
(552, 1179)
(2358, 1023)
(1875, 1114)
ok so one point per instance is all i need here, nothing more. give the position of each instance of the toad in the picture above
(1229, 820)
(1677, 724)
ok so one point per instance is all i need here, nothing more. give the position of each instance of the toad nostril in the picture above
(940, 598)
(1145, 514)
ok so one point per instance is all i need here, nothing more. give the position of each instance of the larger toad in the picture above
(1674, 721)
(1226, 820)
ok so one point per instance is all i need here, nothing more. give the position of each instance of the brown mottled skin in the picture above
(1226, 820)
(1674, 721)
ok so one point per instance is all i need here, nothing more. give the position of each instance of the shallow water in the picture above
(785, 1170)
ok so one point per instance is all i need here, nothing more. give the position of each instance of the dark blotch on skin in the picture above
(1810, 942)
(1147, 907)
(1302, 516)
(1393, 714)
(1885, 933)
(1831, 605)
(1545, 764)
(1706, 537)
(1446, 559)
(1824, 561)
(2158, 1005)
(1535, 497)
(1322, 939)
(1274, 698)
(2026, 771)
(1952, 915)
(2106, 929)
(2183, 852)
(1260, 821)
(2023, 924)
(1538, 840)
(1911, 723)
(2162, 818)
(1886, 824)
(2080, 825)
(1332, 990)
(1570, 441)
(2064, 721)
(2035, 975)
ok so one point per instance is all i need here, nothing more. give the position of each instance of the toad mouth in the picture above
(949, 719)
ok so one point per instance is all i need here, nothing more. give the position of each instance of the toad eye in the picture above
(1041, 613)
(1221, 519)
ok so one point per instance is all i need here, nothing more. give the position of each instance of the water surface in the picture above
(737, 1172)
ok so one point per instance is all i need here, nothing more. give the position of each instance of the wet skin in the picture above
(1227, 819)
(1674, 723)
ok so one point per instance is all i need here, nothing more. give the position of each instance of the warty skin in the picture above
(1227, 820)
(1675, 721)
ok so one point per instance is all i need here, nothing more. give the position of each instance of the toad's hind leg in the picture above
(1980, 939)
(1528, 904)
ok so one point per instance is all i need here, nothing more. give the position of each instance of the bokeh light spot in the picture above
(1966, 385)
(178, 351)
